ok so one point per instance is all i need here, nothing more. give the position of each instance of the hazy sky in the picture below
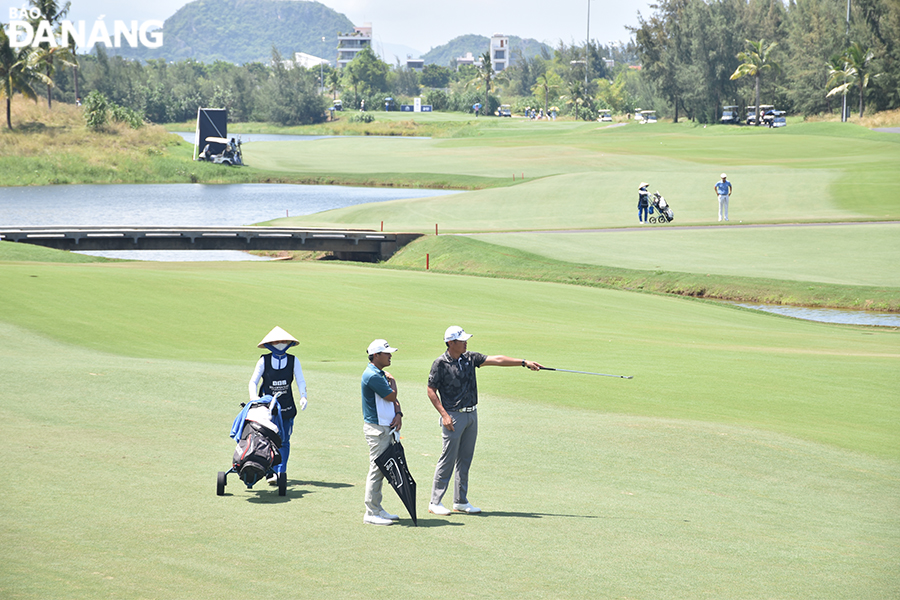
(423, 24)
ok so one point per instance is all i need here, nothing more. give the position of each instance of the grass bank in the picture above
(465, 256)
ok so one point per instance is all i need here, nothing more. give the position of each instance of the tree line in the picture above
(688, 58)
(702, 54)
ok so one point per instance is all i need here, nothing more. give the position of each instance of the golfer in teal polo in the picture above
(381, 416)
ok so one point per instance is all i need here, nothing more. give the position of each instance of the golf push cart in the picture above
(662, 209)
(256, 429)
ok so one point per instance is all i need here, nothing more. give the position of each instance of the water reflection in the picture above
(184, 205)
(830, 315)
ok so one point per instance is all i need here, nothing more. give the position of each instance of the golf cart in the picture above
(604, 116)
(231, 155)
(504, 111)
(647, 116)
(730, 115)
(763, 109)
(778, 119)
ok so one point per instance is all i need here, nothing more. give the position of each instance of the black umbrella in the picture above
(392, 463)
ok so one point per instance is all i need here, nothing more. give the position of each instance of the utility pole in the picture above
(587, 47)
(844, 95)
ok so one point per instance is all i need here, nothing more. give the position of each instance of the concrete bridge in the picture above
(347, 244)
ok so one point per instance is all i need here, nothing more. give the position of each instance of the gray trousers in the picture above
(456, 457)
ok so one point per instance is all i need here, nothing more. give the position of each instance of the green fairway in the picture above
(751, 456)
(580, 176)
(862, 254)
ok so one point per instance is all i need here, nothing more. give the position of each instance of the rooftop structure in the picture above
(351, 44)
(468, 59)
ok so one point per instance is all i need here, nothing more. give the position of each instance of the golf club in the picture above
(587, 373)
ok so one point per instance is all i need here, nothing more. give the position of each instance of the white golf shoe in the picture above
(376, 520)
(439, 509)
(386, 515)
(466, 508)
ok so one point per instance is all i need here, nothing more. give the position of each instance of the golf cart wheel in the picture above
(282, 484)
(220, 484)
(652, 219)
(663, 219)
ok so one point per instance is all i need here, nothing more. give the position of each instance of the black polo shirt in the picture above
(455, 379)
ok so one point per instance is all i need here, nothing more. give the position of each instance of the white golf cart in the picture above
(504, 111)
(730, 115)
(778, 119)
(763, 109)
(647, 116)
(230, 156)
(604, 116)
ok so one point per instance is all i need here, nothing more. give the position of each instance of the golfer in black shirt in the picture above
(453, 390)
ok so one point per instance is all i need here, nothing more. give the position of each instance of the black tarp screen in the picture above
(211, 122)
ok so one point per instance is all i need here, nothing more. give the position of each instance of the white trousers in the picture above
(723, 206)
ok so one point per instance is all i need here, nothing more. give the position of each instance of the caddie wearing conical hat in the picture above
(275, 372)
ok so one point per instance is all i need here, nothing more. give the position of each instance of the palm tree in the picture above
(18, 73)
(486, 71)
(53, 13)
(544, 83)
(858, 59)
(840, 79)
(757, 60)
(851, 69)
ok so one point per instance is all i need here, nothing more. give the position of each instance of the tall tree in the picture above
(856, 72)
(757, 61)
(53, 13)
(486, 72)
(18, 73)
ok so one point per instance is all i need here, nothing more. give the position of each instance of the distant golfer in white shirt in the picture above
(723, 190)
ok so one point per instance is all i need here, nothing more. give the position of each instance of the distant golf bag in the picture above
(663, 210)
(258, 445)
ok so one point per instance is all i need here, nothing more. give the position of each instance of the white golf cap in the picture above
(724, 176)
(276, 336)
(456, 333)
(379, 346)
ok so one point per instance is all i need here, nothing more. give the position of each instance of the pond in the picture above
(186, 205)
(830, 315)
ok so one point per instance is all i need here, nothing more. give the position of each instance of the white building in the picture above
(468, 59)
(308, 61)
(350, 44)
(499, 52)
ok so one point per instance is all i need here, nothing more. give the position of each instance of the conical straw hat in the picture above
(278, 335)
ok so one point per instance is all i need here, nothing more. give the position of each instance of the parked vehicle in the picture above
(763, 109)
(730, 115)
(778, 119)
(504, 111)
(605, 116)
(647, 116)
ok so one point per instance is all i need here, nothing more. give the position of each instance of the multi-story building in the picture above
(468, 59)
(499, 52)
(350, 44)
